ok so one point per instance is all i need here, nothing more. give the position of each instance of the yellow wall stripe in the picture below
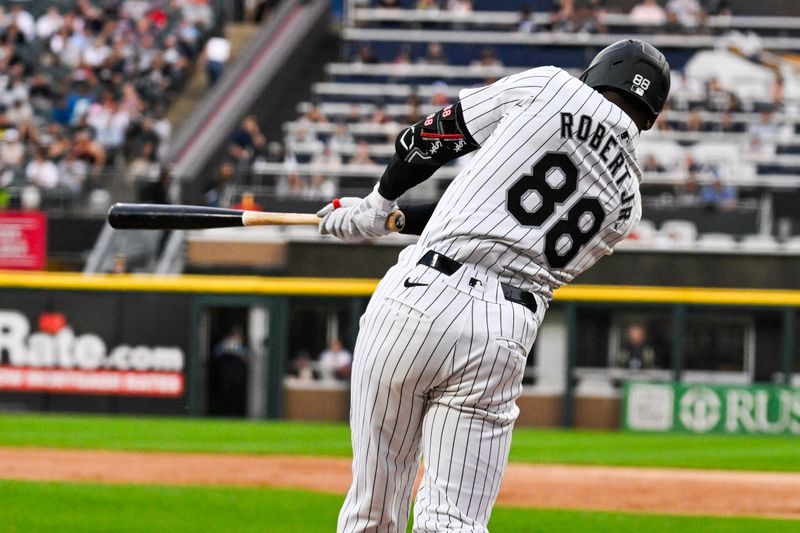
(255, 285)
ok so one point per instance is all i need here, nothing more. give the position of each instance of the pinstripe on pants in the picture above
(436, 372)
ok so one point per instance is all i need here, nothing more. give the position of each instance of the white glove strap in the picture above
(379, 202)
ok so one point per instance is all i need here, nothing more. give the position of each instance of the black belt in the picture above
(448, 266)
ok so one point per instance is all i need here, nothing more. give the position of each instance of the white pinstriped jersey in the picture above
(553, 188)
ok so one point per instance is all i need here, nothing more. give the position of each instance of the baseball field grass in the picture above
(758, 453)
(88, 508)
(31, 506)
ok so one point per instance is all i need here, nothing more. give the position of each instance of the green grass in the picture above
(32, 507)
(529, 445)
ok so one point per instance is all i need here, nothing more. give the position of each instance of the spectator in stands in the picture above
(218, 193)
(334, 362)
(718, 98)
(42, 172)
(365, 56)
(72, 173)
(388, 4)
(327, 158)
(361, 155)
(652, 164)
(198, 13)
(434, 55)
(109, 123)
(763, 135)
(157, 191)
(163, 128)
(413, 110)
(302, 138)
(321, 188)
(247, 141)
(648, 13)
(315, 114)
(142, 164)
(688, 191)
(663, 121)
(777, 94)
(718, 195)
(216, 54)
(79, 99)
(403, 57)
(341, 141)
(353, 115)
(428, 5)
(379, 115)
(131, 103)
(687, 14)
(57, 141)
(487, 58)
(588, 17)
(459, 7)
(526, 23)
(726, 123)
(635, 353)
(560, 16)
(12, 152)
(49, 23)
(20, 114)
(302, 371)
(24, 21)
(690, 164)
(440, 98)
(143, 132)
(694, 121)
(291, 185)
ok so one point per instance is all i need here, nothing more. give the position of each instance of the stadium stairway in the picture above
(197, 87)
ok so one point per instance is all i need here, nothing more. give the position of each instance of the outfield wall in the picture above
(139, 344)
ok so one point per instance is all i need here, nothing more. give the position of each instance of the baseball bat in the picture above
(158, 216)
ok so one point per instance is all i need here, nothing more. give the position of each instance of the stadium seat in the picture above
(679, 231)
(759, 244)
(716, 242)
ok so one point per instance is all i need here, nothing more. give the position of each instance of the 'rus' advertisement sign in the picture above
(757, 409)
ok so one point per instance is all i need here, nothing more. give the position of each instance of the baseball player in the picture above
(438, 365)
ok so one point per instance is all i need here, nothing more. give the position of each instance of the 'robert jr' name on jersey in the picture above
(596, 136)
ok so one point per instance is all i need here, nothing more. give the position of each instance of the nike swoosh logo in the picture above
(409, 283)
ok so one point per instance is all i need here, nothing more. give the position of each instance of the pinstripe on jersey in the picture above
(518, 120)
(438, 364)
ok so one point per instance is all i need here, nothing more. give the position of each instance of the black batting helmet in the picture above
(634, 68)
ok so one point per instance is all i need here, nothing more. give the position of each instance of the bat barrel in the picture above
(164, 217)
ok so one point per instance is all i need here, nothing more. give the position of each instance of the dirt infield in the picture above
(672, 491)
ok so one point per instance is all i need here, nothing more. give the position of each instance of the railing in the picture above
(512, 18)
(549, 39)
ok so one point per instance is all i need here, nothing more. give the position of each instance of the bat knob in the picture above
(396, 221)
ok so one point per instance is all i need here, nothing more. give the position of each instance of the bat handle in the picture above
(396, 221)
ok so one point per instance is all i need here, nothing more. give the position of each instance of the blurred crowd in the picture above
(588, 15)
(85, 87)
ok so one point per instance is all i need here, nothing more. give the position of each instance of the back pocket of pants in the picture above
(513, 347)
(402, 308)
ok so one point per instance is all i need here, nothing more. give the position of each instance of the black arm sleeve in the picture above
(421, 149)
(417, 216)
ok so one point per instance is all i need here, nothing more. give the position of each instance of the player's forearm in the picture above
(421, 149)
(417, 216)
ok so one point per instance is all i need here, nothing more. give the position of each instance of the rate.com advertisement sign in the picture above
(94, 351)
(60, 360)
(756, 409)
(23, 240)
